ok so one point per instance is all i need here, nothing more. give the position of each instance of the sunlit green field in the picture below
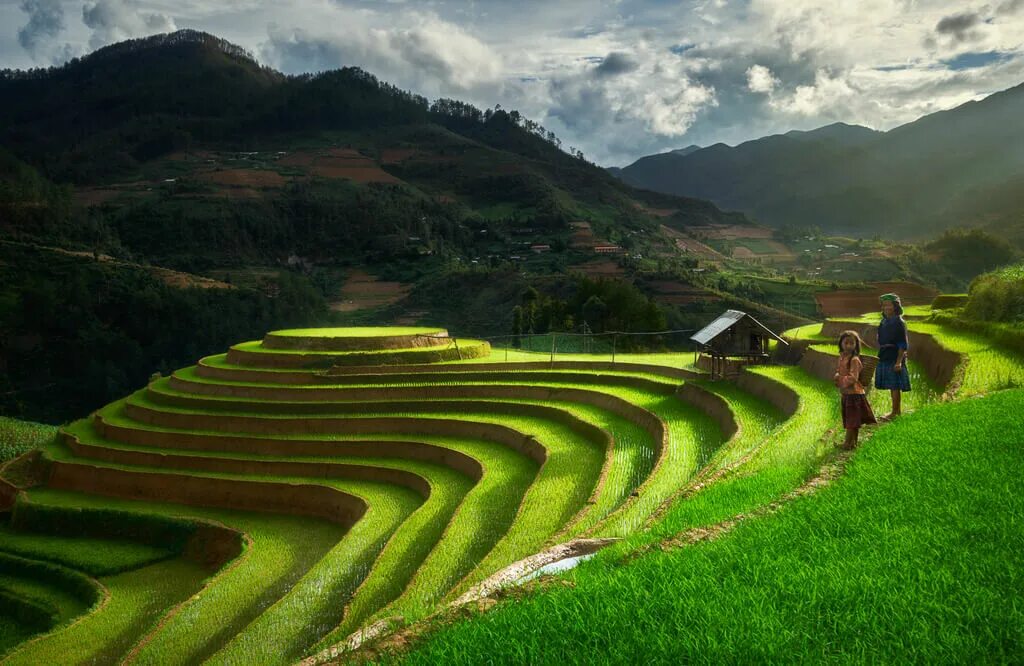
(460, 469)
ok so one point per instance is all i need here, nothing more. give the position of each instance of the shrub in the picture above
(997, 296)
(949, 301)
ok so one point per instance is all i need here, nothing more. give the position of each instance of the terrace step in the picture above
(196, 378)
(255, 354)
(228, 433)
(226, 492)
(356, 339)
(218, 367)
(100, 450)
(143, 434)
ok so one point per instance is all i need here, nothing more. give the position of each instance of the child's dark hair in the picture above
(856, 339)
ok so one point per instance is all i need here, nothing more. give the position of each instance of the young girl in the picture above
(893, 343)
(856, 410)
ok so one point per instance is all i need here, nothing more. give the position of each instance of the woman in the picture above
(893, 343)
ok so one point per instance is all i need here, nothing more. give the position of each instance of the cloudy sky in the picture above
(616, 78)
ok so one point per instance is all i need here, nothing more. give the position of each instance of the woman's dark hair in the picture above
(856, 339)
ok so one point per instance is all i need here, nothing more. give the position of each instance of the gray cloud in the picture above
(959, 27)
(1010, 7)
(434, 57)
(117, 20)
(615, 63)
(45, 21)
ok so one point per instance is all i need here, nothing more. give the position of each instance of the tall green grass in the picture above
(95, 556)
(137, 599)
(913, 555)
(283, 548)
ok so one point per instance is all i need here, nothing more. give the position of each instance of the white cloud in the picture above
(826, 95)
(652, 99)
(760, 79)
(414, 49)
(116, 20)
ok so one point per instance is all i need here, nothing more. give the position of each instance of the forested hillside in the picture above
(174, 179)
(957, 167)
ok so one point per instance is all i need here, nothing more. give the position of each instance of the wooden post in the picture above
(614, 338)
(553, 339)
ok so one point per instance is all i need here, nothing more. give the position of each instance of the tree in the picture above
(594, 312)
(517, 326)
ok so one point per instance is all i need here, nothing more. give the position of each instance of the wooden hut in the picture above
(734, 339)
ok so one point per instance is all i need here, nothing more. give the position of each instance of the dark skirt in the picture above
(856, 411)
(887, 378)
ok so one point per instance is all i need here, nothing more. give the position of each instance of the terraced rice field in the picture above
(269, 504)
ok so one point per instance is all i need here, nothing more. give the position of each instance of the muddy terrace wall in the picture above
(440, 381)
(778, 394)
(303, 499)
(819, 364)
(407, 373)
(712, 404)
(396, 425)
(258, 424)
(379, 397)
(312, 470)
(402, 450)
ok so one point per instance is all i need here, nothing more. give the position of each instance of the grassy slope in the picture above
(910, 556)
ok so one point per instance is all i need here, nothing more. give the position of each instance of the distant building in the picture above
(607, 249)
(540, 248)
(733, 339)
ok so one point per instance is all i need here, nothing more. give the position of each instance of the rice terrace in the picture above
(300, 367)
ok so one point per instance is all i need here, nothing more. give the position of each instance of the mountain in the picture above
(837, 133)
(682, 152)
(163, 196)
(913, 180)
(189, 152)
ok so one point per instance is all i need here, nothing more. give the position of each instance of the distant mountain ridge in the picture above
(913, 180)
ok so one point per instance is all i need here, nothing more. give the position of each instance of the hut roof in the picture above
(712, 330)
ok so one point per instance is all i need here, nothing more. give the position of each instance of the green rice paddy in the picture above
(358, 332)
(462, 470)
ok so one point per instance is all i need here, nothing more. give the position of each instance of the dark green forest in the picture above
(76, 333)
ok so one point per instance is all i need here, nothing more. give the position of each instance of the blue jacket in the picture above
(892, 336)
